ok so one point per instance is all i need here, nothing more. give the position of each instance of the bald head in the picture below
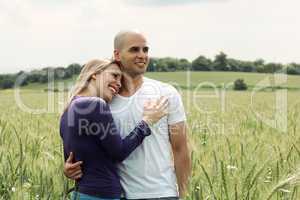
(120, 38)
(131, 49)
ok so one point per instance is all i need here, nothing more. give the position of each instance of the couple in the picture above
(127, 132)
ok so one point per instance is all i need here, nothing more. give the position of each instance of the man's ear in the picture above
(117, 55)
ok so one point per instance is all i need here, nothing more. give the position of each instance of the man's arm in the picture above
(181, 153)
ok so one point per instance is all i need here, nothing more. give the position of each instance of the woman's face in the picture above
(108, 82)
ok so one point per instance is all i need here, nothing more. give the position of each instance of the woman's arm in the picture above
(100, 115)
(101, 124)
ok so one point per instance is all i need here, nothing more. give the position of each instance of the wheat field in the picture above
(236, 154)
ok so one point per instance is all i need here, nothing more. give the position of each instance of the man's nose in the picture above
(142, 54)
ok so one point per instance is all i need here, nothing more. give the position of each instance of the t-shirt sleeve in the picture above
(116, 147)
(176, 109)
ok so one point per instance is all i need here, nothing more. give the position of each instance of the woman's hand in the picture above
(154, 110)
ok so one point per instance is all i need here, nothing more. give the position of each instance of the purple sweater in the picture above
(88, 130)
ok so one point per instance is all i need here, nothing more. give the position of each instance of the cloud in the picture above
(13, 13)
(167, 2)
(38, 33)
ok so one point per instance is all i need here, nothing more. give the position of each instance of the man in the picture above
(152, 170)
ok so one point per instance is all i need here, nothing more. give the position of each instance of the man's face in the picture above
(134, 55)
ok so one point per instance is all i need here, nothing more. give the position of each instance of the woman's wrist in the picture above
(145, 126)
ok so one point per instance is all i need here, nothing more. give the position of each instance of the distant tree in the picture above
(166, 64)
(247, 66)
(74, 69)
(22, 78)
(234, 64)
(60, 73)
(20, 73)
(220, 63)
(33, 76)
(201, 63)
(293, 69)
(152, 65)
(259, 62)
(272, 67)
(161, 66)
(7, 83)
(47, 74)
(43, 78)
(239, 84)
(183, 64)
(171, 63)
(260, 69)
(259, 65)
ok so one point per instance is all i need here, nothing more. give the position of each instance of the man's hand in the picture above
(72, 170)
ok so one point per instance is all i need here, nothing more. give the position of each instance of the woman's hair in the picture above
(90, 68)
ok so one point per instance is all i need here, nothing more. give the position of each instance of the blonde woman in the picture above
(88, 130)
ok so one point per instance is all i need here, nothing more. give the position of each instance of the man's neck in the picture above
(130, 85)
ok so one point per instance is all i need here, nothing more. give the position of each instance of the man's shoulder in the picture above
(162, 86)
(154, 81)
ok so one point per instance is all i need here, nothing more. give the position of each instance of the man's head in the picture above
(130, 48)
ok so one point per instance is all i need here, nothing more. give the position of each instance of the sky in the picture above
(39, 33)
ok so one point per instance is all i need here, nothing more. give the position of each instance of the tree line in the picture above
(39, 76)
(221, 62)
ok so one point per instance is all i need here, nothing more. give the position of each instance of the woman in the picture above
(87, 129)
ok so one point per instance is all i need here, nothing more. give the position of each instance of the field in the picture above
(245, 145)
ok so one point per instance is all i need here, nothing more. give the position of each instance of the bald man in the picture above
(161, 166)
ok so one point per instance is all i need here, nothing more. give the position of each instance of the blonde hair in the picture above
(89, 69)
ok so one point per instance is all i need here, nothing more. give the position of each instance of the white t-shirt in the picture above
(149, 171)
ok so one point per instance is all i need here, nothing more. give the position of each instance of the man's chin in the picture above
(135, 72)
(139, 71)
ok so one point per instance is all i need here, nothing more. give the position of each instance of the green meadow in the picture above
(245, 144)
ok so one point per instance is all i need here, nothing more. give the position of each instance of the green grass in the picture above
(235, 155)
